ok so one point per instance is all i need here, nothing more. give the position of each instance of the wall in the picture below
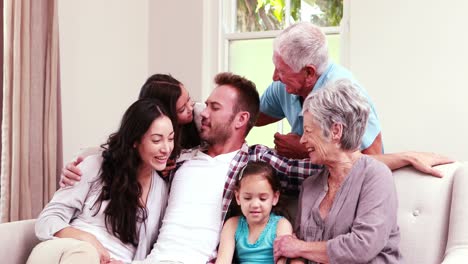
(410, 55)
(412, 58)
(183, 42)
(104, 61)
(109, 48)
(173, 46)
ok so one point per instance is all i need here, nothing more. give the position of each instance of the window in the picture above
(252, 25)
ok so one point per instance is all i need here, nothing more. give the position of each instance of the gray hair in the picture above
(340, 102)
(302, 44)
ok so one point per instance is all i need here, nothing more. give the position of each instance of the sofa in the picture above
(433, 219)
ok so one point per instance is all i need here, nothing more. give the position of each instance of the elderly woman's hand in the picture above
(287, 246)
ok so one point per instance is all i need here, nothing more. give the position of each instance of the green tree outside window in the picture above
(264, 15)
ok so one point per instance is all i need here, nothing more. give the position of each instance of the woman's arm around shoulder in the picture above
(227, 243)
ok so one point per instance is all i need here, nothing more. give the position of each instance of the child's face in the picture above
(256, 198)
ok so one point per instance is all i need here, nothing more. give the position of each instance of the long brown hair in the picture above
(118, 175)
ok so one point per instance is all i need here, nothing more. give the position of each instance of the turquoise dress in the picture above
(262, 250)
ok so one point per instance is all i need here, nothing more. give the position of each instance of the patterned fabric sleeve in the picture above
(291, 172)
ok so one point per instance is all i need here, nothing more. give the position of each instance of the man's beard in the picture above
(219, 134)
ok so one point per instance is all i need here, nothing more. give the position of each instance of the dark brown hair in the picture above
(265, 170)
(247, 96)
(119, 171)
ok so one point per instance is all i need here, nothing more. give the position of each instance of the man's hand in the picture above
(71, 173)
(289, 146)
(424, 162)
(287, 246)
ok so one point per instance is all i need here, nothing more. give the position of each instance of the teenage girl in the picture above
(171, 92)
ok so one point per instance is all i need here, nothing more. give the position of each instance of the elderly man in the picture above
(202, 186)
(302, 67)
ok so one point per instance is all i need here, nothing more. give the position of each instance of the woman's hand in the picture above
(287, 246)
(71, 232)
(114, 261)
(170, 165)
(104, 255)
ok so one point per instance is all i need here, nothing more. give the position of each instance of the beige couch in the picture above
(433, 217)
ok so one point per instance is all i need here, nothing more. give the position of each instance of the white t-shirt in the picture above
(192, 223)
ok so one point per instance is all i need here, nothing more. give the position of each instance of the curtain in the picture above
(31, 156)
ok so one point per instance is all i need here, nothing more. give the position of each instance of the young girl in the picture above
(173, 94)
(249, 238)
(116, 209)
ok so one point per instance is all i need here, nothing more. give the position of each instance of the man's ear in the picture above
(311, 75)
(336, 132)
(242, 118)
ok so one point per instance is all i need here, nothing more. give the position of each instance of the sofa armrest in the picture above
(457, 241)
(17, 241)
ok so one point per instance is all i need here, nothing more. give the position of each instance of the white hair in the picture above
(340, 102)
(302, 44)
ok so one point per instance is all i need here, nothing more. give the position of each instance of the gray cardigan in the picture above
(361, 226)
(73, 206)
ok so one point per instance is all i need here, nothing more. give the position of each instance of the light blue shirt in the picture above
(278, 103)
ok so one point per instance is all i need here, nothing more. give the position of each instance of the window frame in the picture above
(227, 20)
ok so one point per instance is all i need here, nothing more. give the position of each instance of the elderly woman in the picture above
(348, 212)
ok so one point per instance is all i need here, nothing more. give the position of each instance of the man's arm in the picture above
(421, 161)
(264, 119)
(375, 147)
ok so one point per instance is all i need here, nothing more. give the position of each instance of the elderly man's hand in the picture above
(424, 162)
(289, 146)
(287, 246)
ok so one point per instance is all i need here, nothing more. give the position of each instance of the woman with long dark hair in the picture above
(114, 212)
